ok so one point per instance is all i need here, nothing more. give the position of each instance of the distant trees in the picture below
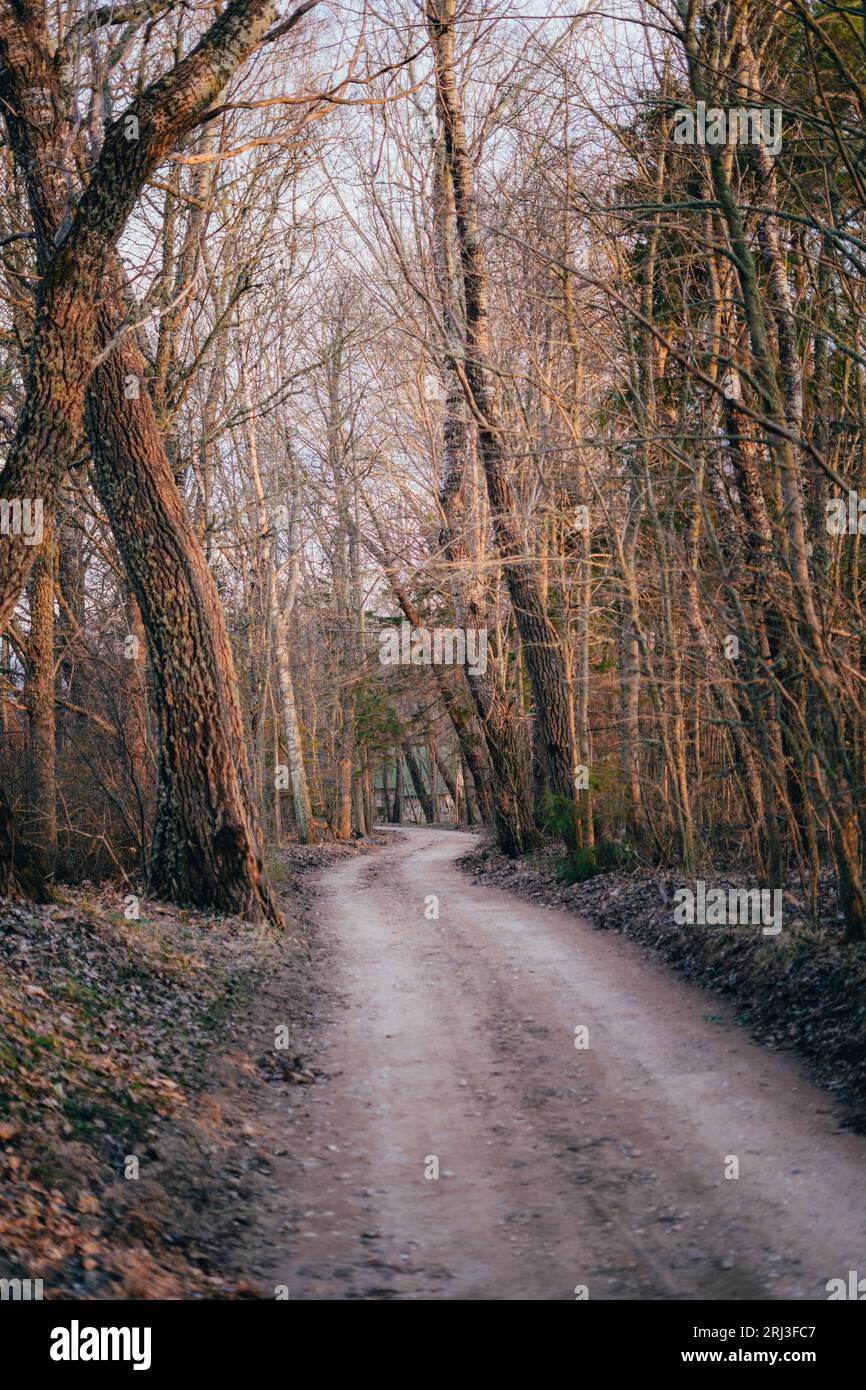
(497, 346)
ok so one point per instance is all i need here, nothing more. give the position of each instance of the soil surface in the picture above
(802, 990)
(449, 1042)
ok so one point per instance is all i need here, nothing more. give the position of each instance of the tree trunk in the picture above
(386, 794)
(540, 643)
(510, 806)
(205, 842)
(292, 733)
(397, 813)
(39, 696)
(417, 776)
(23, 870)
(48, 430)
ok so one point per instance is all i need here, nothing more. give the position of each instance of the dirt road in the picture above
(559, 1167)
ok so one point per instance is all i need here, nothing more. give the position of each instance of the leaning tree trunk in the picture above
(48, 429)
(415, 772)
(832, 769)
(206, 838)
(510, 807)
(540, 642)
(206, 841)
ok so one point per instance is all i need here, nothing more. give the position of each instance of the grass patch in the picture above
(579, 865)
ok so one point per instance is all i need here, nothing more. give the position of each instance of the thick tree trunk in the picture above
(135, 741)
(343, 788)
(509, 807)
(62, 353)
(39, 696)
(23, 870)
(415, 772)
(205, 842)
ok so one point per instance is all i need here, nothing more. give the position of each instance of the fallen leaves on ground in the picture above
(109, 1034)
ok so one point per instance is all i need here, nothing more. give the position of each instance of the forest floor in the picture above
(431, 1026)
(120, 1174)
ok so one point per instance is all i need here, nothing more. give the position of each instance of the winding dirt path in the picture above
(559, 1167)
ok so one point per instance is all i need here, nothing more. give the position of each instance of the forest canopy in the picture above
(539, 329)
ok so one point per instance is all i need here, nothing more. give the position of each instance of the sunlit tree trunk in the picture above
(540, 642)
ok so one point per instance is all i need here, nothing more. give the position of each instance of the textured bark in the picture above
(205, 841)
(62, 349)
(137, 747)
(23, 871)
(39, 698)
(510, 808)
(72, 613)
(343, 789)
